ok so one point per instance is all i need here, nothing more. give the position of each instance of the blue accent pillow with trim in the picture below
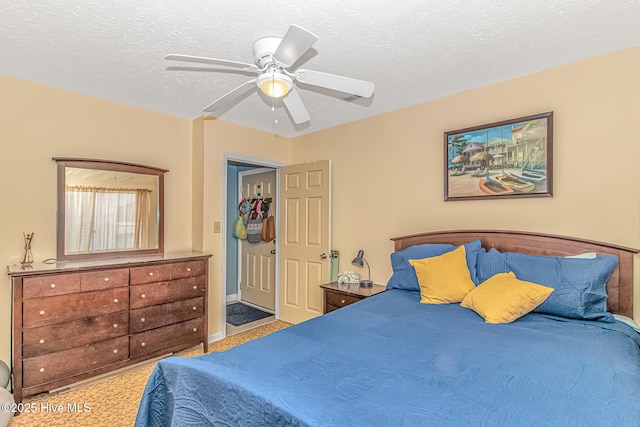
(404, 275)
(579, 284)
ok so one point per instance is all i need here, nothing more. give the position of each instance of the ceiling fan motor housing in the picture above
(263, 50)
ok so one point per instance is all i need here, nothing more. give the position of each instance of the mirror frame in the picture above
(108, 165)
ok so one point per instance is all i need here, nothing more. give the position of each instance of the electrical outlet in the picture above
(216, 226)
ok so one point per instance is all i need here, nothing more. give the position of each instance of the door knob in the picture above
(273, 251)
(323, 256)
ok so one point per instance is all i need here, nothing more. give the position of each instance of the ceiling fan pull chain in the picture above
(275, 111)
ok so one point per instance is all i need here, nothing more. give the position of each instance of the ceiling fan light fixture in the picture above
(275, 84)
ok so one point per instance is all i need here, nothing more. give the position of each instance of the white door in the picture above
(258, 260)
(304, 237)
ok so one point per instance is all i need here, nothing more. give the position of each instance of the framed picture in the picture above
(508, 159)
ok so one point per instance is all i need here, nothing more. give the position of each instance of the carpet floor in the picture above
(113, 401)
(240, 314)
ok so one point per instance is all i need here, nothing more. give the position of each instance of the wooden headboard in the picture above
(619, 286)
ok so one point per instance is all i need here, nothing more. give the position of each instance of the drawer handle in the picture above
(188, 268)
(142, 344)
(41, 369)
(142, 320)
(115, 350)
(194, 308)
(342, 302)
(41, 312)
(195, 287)
(195, 329)
(53, 286)
(106, 279)
(143, 296)
(115, 325)
(41, 341)
(115, 300)
(151, 273)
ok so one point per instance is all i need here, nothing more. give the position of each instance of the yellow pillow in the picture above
(445, 278)
(503, 298)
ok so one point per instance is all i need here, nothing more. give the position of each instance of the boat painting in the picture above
(493, 188)
(514, 183)
(529, 177)
(517, 153)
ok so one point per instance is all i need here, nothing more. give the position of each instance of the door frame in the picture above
(241, 174)
(258, 162)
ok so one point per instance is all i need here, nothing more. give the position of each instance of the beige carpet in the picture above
(113, 401)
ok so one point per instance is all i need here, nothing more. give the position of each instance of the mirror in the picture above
(108, 208)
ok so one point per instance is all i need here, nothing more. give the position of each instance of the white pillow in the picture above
(628, 321)
(588, 255)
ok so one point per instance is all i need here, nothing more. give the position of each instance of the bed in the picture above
(390, 360)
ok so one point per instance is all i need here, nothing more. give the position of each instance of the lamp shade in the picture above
(274, 84)
(358, 261)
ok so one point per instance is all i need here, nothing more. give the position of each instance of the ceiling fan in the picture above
(273, 57)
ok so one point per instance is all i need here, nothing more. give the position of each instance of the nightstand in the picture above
(337, 295)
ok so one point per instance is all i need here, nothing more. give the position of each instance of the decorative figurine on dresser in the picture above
(108, 303)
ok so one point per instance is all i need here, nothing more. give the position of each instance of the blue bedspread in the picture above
(391, 361)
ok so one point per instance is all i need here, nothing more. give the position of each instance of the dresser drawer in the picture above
(76, 333)
(173, 290)
(166, 337)
(63, 364)
(63, 308)
(104, 279)
(155, 316)
(181, 270)
(340, 300)
(150, 273)
(55, 284)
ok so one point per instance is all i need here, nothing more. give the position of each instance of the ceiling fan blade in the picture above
(296, 108)
(231, 97)
(212, 61)
(293, 45)
(335, 82)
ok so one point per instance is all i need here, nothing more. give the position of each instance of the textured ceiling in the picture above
(414, 51)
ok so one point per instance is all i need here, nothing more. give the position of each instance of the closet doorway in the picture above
(249, 269)
(257, 261)
(303, 237)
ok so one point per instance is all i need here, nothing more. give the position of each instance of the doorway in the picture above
(241, 315)
(257, 260)
(303, 234)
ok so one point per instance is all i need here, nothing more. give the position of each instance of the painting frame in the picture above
(509, 159)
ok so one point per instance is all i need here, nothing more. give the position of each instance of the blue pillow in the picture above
(579, 284)
(404, 275)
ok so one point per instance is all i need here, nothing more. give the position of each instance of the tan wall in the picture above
(197, 162)
(388, 170)
(223, 137)
(39, 122)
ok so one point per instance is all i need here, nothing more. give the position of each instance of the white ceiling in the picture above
(414, 51)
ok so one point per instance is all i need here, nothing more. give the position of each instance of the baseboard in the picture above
(215, 337)
(232, 298)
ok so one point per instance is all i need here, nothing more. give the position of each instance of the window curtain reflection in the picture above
(143, 206)
(106, 219)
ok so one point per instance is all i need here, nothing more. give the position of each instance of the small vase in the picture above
(27, 259)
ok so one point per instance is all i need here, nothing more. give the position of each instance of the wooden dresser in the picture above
(76, 320)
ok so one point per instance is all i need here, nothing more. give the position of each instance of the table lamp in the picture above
(359, 261)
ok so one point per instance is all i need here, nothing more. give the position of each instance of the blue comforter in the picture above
(391, 361)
